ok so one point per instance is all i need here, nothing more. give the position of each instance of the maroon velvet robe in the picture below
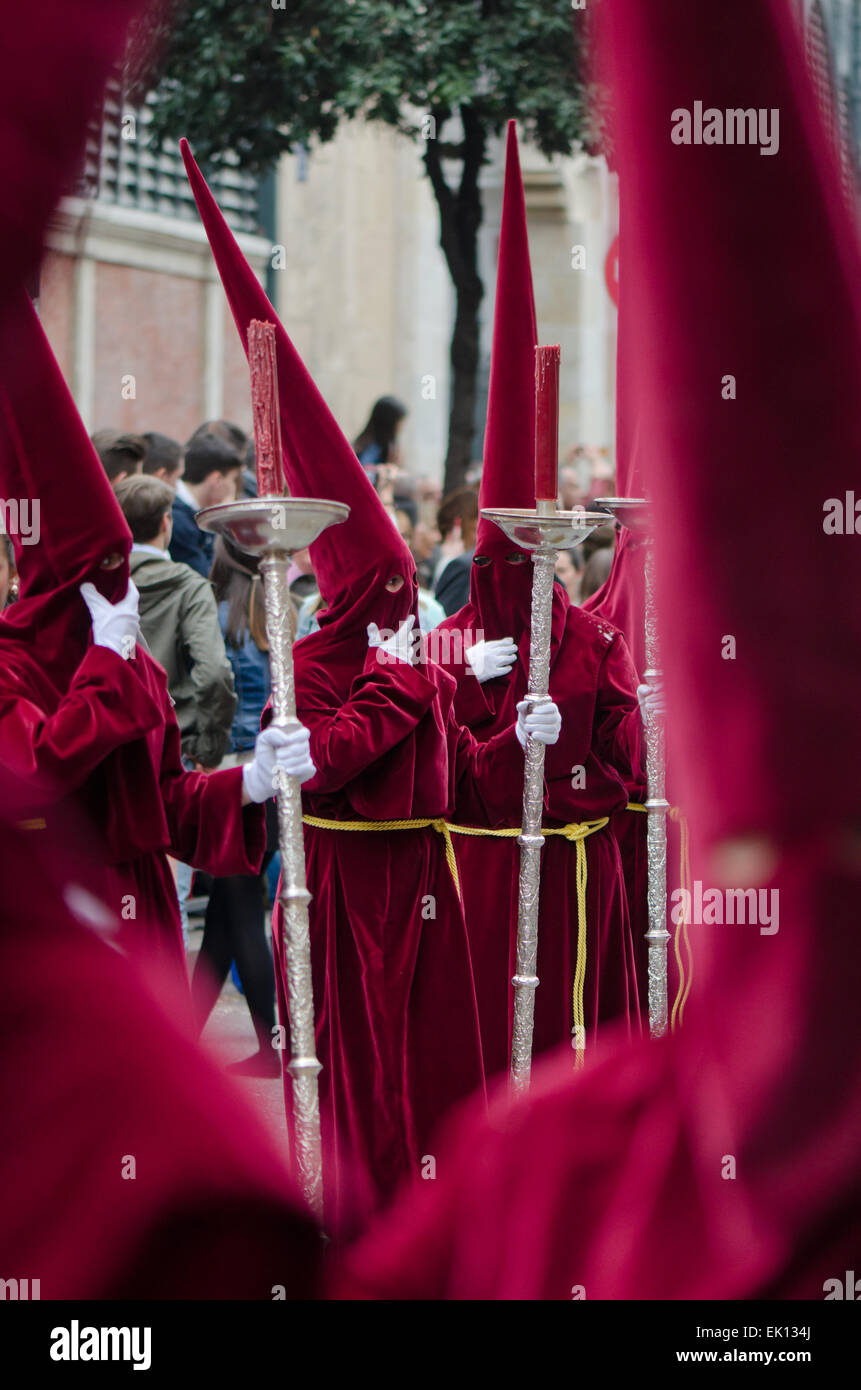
(130, 1167)
(79, 724)
(397, 1030)
(592, 681)
(724, 1161)
(394, 995)
(109, 748)
(621, 601)
(54, 60)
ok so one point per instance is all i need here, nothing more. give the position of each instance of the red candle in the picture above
(264, 406)
(547, 423)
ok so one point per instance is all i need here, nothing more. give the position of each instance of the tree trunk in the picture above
(460, 218)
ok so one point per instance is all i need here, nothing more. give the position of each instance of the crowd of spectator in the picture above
(202, 617)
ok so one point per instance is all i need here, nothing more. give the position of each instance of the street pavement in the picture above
(229, 1036)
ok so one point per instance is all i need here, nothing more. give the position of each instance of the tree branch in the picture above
(447, 202)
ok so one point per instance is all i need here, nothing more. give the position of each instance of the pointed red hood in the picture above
(352, 560)
(621, 599)
(49, 467)
(508, 475)
(501, 592)
(55, 59)
(720, 1162)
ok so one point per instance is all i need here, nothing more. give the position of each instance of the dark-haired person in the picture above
(423, 539)
(569, 564)
(602, 538)
(225, 430)
(242, 443)
(595, 571)
(8, 575)
(457, 519)
(235, 923)
(163, 458)
(377, 443)
(210, 476)
(121, 454)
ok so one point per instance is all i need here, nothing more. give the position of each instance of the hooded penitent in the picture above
(389, 946)
(621, 598)
(69, 521)
(591, 679)
(77, 723)
(65, 524)
(621, 601)
(722, 1162)
(352, 561)
(501, 580)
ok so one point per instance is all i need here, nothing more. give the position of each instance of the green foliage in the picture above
(242, 76)
(244, 79)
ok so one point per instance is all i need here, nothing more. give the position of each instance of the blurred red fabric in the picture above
(723, 1161)
(55, 59)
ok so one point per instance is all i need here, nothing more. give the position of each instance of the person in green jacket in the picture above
(179, 621)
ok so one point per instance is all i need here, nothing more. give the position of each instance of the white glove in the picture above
(278, 753)
(544, 724)
(491, 659)
(651, 699)
(401, 646)
(115, 625)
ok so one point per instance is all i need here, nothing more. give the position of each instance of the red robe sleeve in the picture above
(385, 704)
(106, 707)
(485, 775)
(618, 738)
(208, 825)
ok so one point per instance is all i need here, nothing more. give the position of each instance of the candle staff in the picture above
(543, 530)
(274, 525)
(388, 945)
(633, 514)
(591, 770)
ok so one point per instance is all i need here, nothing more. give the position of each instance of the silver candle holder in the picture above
(544, 532)
(635, 514)
(273, 528)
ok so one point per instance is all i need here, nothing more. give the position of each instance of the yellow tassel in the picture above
(677, 1016)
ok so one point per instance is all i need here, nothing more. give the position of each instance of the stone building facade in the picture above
(347, 241)
(128, 292)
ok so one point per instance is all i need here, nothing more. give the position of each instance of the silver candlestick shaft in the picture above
(273, 528)
(543, 531)
(635, 514)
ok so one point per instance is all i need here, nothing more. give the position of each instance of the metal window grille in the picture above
(122, 167)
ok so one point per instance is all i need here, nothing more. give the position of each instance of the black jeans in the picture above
(235, 929)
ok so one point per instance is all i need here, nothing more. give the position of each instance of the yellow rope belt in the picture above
(576, 833)
(677, 1015)
(440, 825)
